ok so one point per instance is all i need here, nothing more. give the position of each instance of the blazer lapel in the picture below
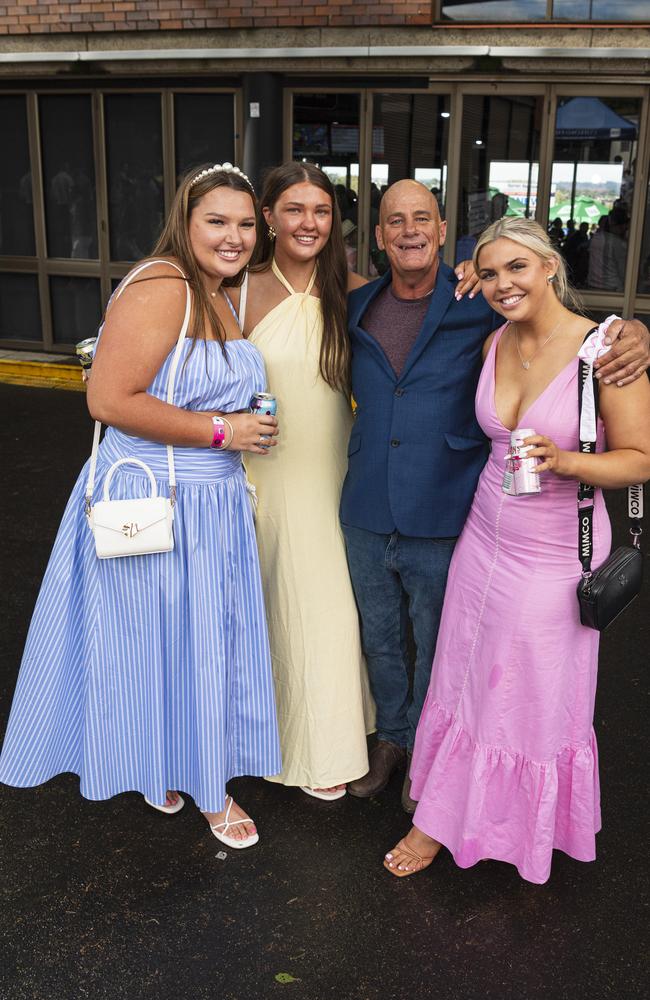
(442, 297)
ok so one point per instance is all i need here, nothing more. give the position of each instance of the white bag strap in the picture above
(170, 386)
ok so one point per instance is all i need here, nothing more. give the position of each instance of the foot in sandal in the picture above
(414, 853)
(232, 826)
(173, 803)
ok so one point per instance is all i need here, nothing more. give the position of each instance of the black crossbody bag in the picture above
(604, 594)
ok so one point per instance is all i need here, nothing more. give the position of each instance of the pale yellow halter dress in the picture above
(322, 695)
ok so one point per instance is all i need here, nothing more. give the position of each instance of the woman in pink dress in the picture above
(505, 762)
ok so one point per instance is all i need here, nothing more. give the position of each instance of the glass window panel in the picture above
(591, 187)
(76, 308)
(135, 173)
(499, 163)
(20, 311)
(600, 10)
(326, 132)
(69, 176)
(204, 126)
(16, 203)
(504, 11)
(410, 135)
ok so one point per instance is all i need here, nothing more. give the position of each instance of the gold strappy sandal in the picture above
(420, 862)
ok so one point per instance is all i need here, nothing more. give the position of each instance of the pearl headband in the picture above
(225, 168)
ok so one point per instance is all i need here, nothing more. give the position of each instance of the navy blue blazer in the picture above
(416, 449)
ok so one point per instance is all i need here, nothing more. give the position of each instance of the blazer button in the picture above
(394, 443)
(399, 392)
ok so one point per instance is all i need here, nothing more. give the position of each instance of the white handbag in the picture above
(144, 525)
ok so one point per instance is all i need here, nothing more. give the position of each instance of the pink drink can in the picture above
(521, 477)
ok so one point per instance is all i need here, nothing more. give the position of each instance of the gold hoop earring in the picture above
(272, 233)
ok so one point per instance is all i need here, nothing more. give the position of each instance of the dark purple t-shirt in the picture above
(395, 324)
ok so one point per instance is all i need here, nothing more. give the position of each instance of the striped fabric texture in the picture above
(153, 672)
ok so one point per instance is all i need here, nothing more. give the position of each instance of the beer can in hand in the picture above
(521, 477)
(85, 351)
(263, 404)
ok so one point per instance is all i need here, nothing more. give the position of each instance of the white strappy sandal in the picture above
(170, 810)
(238, 845)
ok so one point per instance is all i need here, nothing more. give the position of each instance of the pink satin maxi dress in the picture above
(505, 760)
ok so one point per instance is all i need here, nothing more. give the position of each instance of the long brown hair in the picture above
(174, 241)
(331, 265)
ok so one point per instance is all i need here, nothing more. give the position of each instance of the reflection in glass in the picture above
(503, 11)
(326, 132)
(600, 10)
(410, 133)
(592, 184)
(76, 308)
(204, 127)
(135, 173)
(69, 176)
(499, 164)
(16, 203)
(20, 311)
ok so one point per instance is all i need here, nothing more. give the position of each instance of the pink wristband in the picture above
(219, 433)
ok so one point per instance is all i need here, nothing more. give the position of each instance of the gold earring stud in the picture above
(272, 233)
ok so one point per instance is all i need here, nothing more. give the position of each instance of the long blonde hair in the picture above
(528, 233)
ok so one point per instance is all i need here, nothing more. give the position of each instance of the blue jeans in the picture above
(396, 577)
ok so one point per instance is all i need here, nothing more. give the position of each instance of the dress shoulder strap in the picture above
(243, 297)
(283, 281)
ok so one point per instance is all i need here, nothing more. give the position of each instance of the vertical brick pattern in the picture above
(49, 16)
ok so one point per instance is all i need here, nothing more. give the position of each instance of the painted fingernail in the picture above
(607, 341)
(471, 295)
(619, 383)
(607, 381)
(458, 297)
(599, 374)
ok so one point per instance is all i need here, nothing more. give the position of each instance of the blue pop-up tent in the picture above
(590, 118)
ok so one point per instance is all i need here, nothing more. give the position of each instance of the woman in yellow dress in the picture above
(293, 308)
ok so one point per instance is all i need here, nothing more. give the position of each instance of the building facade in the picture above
(530, 107)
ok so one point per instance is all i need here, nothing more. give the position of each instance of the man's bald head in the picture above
(406, 190)
(411, 233)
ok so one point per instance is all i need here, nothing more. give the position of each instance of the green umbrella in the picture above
(585, 209)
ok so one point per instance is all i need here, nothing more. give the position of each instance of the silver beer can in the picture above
(85, 351)
(521, 477)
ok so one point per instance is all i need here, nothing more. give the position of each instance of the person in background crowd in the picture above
(415, 455)
(152, 673)
(505, 762)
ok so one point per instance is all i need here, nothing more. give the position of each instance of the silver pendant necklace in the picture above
(525, 362)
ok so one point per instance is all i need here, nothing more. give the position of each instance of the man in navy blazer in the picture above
(415, 455)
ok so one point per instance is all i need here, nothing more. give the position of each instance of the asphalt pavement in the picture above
(113, 901)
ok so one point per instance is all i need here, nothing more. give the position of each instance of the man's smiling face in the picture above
(410, 229)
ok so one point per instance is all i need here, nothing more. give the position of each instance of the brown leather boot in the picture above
(409, 805)
(384, 759)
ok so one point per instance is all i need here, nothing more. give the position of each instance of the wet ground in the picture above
(111, 900)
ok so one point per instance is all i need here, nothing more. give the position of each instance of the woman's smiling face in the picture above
(514, 280)
(302, 218)
(222, 232)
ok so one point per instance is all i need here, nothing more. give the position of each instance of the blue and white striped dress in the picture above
(153, 672)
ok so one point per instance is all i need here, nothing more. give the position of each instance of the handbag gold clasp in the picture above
(130, 530)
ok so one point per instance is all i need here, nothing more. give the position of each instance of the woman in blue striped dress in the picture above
(152, 673)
